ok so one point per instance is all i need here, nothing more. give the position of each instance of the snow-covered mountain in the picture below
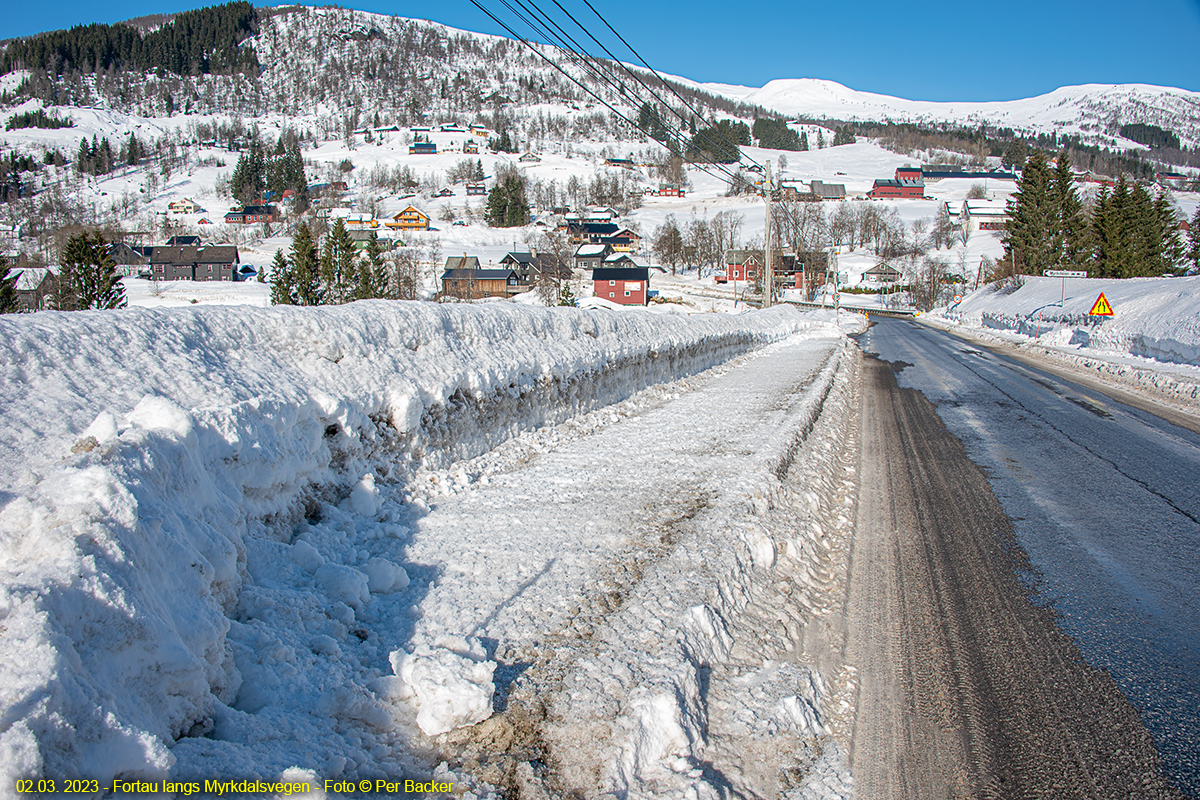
(1095, 111)
(339, 66)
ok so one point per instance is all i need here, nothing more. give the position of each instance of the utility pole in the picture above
(768, 273)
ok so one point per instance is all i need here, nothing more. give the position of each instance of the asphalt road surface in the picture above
(1023, 603)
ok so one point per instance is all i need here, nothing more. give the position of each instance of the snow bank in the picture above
(1154, 318)
(711, 667)
(146, 451)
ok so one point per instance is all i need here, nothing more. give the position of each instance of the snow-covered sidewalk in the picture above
(321, 544)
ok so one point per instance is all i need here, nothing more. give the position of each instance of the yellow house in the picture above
(361, 221)
(410, 219)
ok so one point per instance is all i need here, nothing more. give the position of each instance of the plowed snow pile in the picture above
(1153, 318)
(209, 523)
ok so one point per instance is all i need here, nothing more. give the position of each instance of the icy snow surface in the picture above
(240, 541)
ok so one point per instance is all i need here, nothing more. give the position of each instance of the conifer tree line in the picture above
(776, 135)
(193, 43)
(87, 278)
(331, 273)
(1127, 233)
(38, 119)
(257, 173)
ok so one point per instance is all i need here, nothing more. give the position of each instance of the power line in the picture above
(580, 57)
(580, 54)
(537, 28)
(639, 80)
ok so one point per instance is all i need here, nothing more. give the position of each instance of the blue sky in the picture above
(930, 50)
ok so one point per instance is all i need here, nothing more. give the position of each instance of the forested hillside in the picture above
(193, 43)
(312, 62)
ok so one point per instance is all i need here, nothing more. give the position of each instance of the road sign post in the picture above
(1064, 274)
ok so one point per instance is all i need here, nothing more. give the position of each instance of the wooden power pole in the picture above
(768, 272)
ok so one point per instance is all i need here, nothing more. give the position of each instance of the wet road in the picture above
(1104, 499)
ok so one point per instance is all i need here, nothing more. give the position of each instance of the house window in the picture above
(612, 294)
(628, 293)
(612, 283)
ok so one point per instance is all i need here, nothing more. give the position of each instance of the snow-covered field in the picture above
(238, 541)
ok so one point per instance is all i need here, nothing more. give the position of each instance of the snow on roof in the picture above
(588, 250)
(985, 208)
(30, 278)
(617, 258)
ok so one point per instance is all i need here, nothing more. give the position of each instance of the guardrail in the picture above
(887, 312)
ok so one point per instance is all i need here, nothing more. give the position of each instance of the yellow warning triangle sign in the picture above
(1101, 308)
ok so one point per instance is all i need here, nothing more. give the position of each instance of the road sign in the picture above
(1101, 308)
(958, 298)
(1065, 273)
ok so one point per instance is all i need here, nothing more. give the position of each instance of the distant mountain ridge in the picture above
(333, 65)
(1094, 111)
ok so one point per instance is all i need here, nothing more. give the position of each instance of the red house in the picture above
(908, 183)
(247, 215)
(909, 189)
(629, 286)
(743, 265)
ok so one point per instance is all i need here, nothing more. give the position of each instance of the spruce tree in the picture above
(1032, 215)
(338, 273)
(565, 296)
(306, 280)
(1141, 228)
(1110, 232)
(1069, 243)
(1171, 247)
(373, 273)
(83, 158)
(92, 272)
(804, 140)
(283, 284)
(8, 292)
(1193, 252)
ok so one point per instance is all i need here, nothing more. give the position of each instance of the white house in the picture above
(983, 215)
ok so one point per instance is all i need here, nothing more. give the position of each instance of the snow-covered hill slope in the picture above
(1094, 111)
(347, 67)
